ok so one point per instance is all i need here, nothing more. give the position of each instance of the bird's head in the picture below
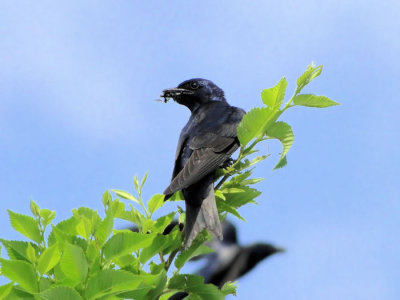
(194, 92)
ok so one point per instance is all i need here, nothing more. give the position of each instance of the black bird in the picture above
(230, 260)
(206, 142)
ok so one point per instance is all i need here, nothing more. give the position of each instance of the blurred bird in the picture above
(230, 261)
(206, 143)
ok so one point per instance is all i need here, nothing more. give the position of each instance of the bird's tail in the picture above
(203, 216)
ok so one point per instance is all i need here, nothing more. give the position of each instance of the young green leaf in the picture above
(111, 282)
(35, 209)
(31, 253)
(274, 96)
(106, 199)
(229, 288)
(48, 259)
(104, 229)
(5, 290)
(144, 180)
(116, 208)
(60, 292)
(16, 250)
(223, 206)
(25, 225)
(313, 101)
(309, 74)
(158, 283)
(194, 285)
(125, 195)
(47, 216)
(254, 124)
(125, 243)
(283, 132)
(73, 263)
(88, 220)
(162, 222)
(158, 244)
(136, 183)
(21, 272)
(156, 202)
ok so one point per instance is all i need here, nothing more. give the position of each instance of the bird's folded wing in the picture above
(202, 162)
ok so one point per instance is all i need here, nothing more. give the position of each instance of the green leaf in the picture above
(125, 195)
(136, 183)
(229, 288)
(313, 101)
(143, 180)
(125, 243)
(162, 222)
(88, 220)
(47, 216)
(282, 162)
(25, 225)
(158, 283)
(125, 260)
(21, 272)
(194, 285)
(35, 209)
(73, 263)
(106, 199)
(309, 74)
(18, 293)
(104, 229)
(155, 202)
(254, 124)
(178, 196)
(219, 194)
(48, 259)
(158, 244)
(60, 292)
(187, 254)
(239, 199)
(223, 206)
(111, 282)
(45, 283)
(16, 250)
(116, 208)
(283, 132)
(62, 230)
(5, 290)
(274, 96)
(31, 253)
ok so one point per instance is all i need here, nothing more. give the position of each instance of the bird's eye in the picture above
(194, 85)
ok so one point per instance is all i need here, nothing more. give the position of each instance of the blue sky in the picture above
(77, 117)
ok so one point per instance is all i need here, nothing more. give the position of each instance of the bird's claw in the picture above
(226, 164)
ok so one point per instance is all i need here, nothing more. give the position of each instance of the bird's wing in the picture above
(181, 143)
(210, 150)
(201, 163)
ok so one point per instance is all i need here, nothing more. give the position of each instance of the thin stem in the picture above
(170, 259)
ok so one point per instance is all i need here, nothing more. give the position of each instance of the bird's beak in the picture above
(279, 249)
(174, 93)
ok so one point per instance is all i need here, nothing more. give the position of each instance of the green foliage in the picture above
(83, 257)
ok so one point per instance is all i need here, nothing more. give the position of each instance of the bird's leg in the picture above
(226, 164)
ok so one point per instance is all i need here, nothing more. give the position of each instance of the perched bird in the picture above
(206, 142)
(230, 260)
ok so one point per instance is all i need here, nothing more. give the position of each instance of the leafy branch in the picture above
(84, 257)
